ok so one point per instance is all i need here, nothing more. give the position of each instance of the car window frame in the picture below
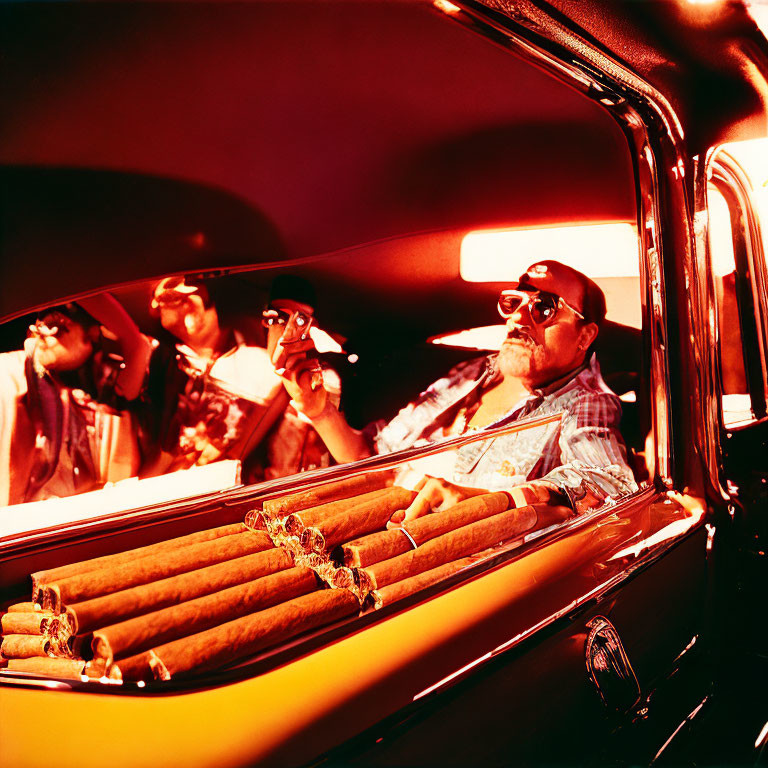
(731, 181)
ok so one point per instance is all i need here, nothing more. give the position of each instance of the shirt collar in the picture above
(239, 341)
(590, 365)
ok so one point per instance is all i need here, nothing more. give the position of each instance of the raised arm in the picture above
(302, 378)
(135, 347)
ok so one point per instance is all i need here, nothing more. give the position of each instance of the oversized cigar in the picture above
(374, 548)
(127, 603)
(34, 623)
(75, 589)
(386, 544)
(296, 522)
(134, 668)
(128, 556)
(24, 646)
(194, 616)
(399, 589)
(361, 519)
(341, 489)
(67, 669)
(450, 546)
(242, 637)
(25, 608)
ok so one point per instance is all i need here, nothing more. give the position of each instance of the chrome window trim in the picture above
(725, 170)
(718, 161)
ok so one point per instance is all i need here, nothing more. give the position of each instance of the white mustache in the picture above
(519, 334)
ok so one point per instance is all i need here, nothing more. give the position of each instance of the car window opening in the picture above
(389, 533)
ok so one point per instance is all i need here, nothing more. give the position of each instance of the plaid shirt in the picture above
(582, 453)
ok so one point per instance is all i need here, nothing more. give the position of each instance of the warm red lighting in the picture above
(600, 250)
(197, 240)
(446, 7)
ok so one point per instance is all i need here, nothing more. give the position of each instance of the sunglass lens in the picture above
(543, 308)
(274, 317)
(508, 304)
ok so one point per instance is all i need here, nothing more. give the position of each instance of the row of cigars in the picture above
(214, 597)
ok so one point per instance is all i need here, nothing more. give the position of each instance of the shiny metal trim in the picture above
(722, 166)
(705, 339)
(726, 170)
(688, 718)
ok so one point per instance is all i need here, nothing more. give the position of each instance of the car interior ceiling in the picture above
(363, 184)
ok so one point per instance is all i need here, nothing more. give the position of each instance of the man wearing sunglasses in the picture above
(63, 399)
(544, 368)
(212, 395)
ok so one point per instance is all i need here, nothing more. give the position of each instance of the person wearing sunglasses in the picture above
(213, 396)
(545, 367)
(293, 445)
(210, 395)
(64, 425)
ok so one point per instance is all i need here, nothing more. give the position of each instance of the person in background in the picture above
(64, 428)
(212, 396)
(294, 445)
(545, 368)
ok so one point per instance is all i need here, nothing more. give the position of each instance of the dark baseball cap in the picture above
(582, 293)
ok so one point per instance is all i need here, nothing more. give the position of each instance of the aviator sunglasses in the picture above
(270, 317)
(542, 306)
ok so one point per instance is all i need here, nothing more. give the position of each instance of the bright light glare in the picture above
(759, 12)
(720, 237)
(599, 250)
(762, 736)
(323, 341)
(446, 7)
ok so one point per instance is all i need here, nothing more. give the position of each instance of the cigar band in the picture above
(252, 519)
(410, 538)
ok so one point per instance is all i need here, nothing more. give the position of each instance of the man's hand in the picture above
(433, 492)
(303, 380)
(536, 492)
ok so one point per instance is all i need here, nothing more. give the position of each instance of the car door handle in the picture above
(609, 667)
